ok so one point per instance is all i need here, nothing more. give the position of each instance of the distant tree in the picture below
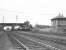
(27, 22)
(28, 25)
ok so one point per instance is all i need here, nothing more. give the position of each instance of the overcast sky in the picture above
(36, 11)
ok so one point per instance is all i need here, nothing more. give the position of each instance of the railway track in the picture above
(32, 43)
(16, 43)
(42, 40)
(27, 41)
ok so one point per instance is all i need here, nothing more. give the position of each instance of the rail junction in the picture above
(22, 38)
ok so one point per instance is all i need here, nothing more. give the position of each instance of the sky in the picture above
(35, 11)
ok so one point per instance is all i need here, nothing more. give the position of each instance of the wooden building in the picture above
(59, 23)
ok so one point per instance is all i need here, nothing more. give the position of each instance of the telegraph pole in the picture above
(16, 19)
(3, 19)
(3, 23)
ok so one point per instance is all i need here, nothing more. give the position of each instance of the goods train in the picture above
(18, 28)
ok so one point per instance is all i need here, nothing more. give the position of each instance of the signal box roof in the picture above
(59, 17)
